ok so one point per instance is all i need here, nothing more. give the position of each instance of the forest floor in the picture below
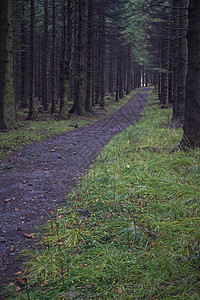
(43, 173)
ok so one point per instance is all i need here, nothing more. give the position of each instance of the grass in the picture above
(131, 229)
(46, 126)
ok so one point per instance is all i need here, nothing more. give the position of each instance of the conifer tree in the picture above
(7, 95)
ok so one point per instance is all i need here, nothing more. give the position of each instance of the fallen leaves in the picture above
(18, 273)
(8, 200)
(12, 247)
(28, 235)
(21, 281)
(119, 291)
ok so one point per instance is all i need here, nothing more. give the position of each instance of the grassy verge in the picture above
(131, 230)
(30, 131)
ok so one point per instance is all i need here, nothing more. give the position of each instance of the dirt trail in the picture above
(37, 182)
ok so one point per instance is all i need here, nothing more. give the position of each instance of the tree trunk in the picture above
(182, 62)
(111, 68)
(81, 58)
(39, 86)
(79, 101)
(88, 100)
(32, 114)
(98, 62)
(45, 59)
(75, 85)
(191, 136)
(53, 79)
(7, 95)
(118, 76)
(128, 65)
(121, 77)
(175, 58)
(102, 57)
(67, 62)
(165, 73)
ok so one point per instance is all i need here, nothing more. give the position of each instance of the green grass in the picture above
(31, 131)
(131, 229)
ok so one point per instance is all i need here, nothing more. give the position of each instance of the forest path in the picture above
(44, 172)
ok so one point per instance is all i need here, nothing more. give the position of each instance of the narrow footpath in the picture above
(42, 175)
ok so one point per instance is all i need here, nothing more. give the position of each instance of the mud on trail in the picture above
(43, 173)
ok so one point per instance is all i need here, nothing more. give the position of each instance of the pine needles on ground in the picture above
(132, 231)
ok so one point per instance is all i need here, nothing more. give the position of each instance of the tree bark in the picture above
(81, 58)
(79, 101)
(53, 68)
(102, 58)
(111, 68)
(45, 59)
(165, 72)
(191, 136)
(32, 113)
(97, 61)
(175, 58)
(128, 71)
(88, 100)
(75, 85)
(121, 77)
(182, 62)
(23, 99)
(7, 95)
(67, 62)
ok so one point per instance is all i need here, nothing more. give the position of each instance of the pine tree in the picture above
(7, 95)
(191, 136)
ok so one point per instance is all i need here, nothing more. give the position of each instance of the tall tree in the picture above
(7, 95)
(182, 61)
(80, 107)
(23, 99)
(90, 31)
(45, 59)
(67, 60)
(175, 17)
(102, 54)
(191, 135)
(53, 63)
(32, 113)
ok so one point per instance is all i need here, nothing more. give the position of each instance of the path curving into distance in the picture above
(44, 171)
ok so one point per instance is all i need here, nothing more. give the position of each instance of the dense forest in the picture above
(100, 145)
(79, 50)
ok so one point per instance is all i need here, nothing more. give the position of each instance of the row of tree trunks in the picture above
(178, 60)
(173, 61)
(93, 61)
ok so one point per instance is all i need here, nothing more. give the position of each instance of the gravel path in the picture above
(36, 183)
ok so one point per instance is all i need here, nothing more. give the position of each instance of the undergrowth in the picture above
(131, 230)
(31, 131)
